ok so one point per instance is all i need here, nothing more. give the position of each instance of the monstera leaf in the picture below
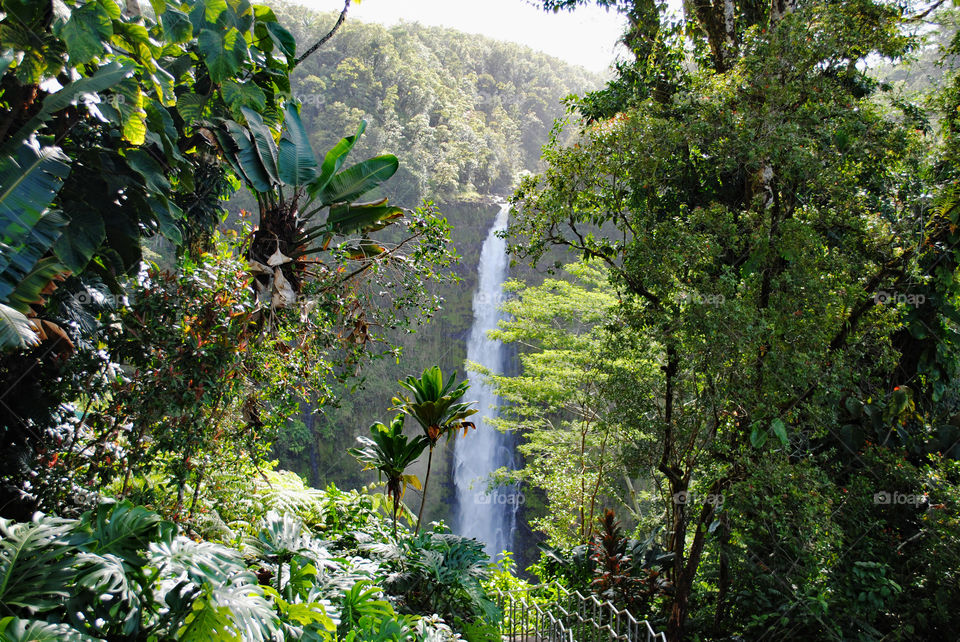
(125, 530)
(38, 565)
(14, 629)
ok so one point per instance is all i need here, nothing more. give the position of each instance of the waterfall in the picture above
(489, 517)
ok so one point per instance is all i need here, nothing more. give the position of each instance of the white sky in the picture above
(585, 37)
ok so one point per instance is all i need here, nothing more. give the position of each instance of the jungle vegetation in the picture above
(734, 311)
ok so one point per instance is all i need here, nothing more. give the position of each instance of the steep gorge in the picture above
(465, 116)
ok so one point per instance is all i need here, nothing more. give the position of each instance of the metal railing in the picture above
(568, 616)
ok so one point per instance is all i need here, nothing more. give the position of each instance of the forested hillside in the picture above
(465, 115)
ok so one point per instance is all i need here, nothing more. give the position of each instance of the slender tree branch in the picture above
(323, 41)
(920, 16)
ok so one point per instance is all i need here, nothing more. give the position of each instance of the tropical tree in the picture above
(291, 188)
(113, 145)
(436, 406)
(575, 451)
(121, 125)
(764, 217)
(390, 453)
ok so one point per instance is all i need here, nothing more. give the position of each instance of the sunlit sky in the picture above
(585, 37)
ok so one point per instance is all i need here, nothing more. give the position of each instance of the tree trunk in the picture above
(396, 505)
(423, 498)
(723, 579)
(196, 494)
(683, 585)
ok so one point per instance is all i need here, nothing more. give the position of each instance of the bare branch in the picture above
(323, 41)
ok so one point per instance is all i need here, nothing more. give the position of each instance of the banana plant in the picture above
(292, 189)
(390, 453)
(29, 181)
(436, 406)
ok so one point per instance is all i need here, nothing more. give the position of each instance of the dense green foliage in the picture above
(737, 411)
(166, 385)
(210, 344)
(464, 116)
(122, 573)
(780, 233)
(555, 404)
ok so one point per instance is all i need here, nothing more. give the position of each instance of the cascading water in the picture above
(489, 517)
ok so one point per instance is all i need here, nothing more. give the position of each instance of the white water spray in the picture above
(489, 517)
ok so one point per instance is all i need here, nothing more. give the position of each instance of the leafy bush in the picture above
(623, 570)
(438, 572)
(122, 573)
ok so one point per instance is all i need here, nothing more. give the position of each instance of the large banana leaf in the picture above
(29, 290)
(263, 142)
(348, 219)
(248, 159)
(29, 181)
(355, 181)
(334, 160)
(296, 161)
(21, 258)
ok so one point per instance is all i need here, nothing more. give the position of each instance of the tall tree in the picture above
(759, 208)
